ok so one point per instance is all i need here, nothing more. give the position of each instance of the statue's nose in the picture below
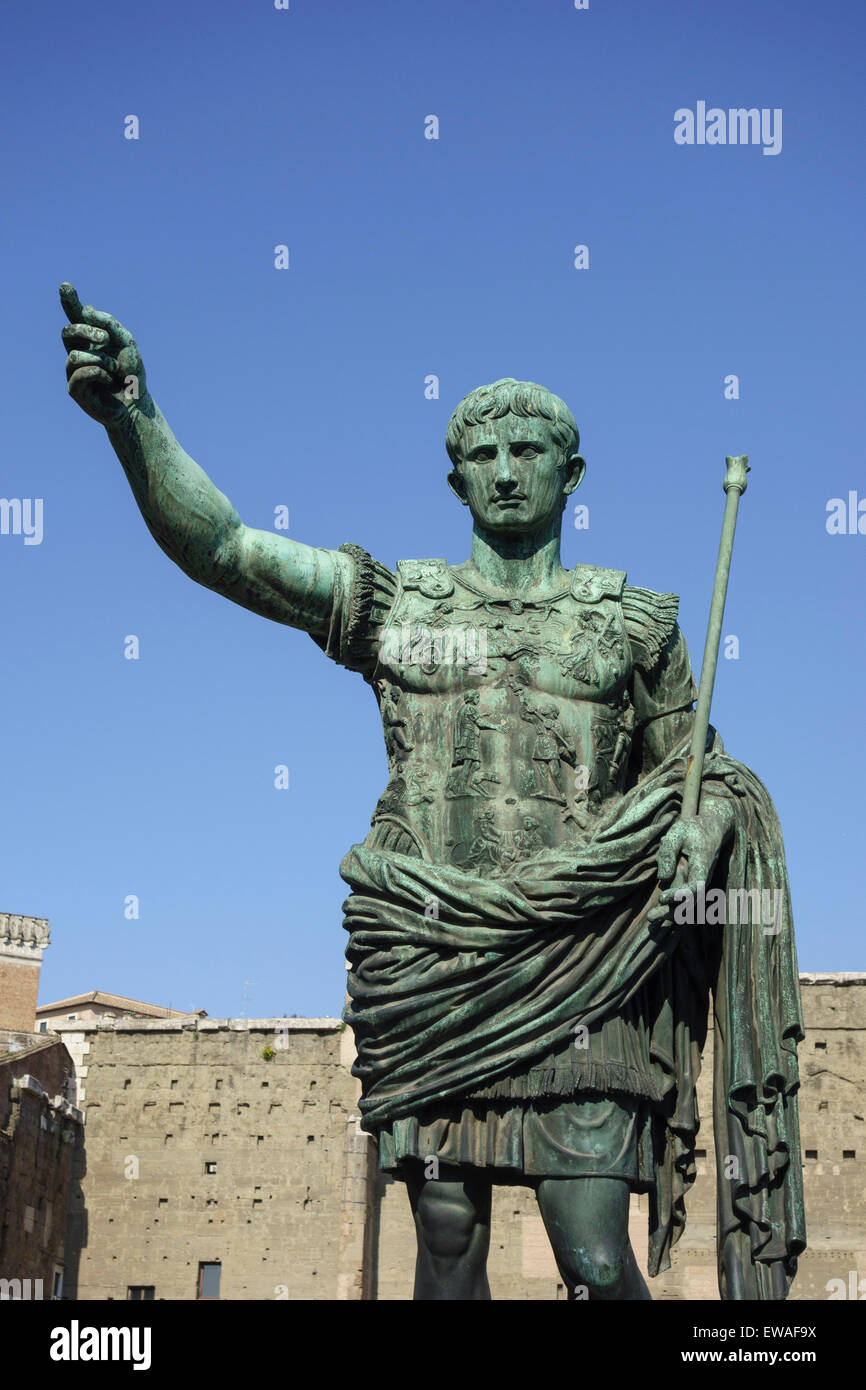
(504, 476)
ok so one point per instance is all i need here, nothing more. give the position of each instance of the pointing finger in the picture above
(72, 306)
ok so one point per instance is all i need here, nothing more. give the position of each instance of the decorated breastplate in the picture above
(507, 720)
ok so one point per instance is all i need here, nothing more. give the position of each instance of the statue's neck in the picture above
(529, 563)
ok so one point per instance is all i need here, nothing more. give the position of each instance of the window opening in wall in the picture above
(209, 1280)
(210, 1166)
(140, 1293)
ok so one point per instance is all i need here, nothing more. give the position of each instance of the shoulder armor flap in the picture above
(429, 577)
(650, 619)
(591, 583)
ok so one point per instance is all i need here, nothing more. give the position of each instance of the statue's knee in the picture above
(446, 1221)
(599, 1266)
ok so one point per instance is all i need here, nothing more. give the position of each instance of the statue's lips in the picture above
(508, 501)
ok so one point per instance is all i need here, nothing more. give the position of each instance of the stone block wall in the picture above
(219, 1142)
(40, 1142)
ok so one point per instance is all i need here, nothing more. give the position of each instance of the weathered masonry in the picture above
(40, 1148)
(220, 1161)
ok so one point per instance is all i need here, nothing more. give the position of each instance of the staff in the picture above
(735, 486)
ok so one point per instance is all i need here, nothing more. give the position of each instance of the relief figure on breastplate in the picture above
(544, 779)
(467, 779)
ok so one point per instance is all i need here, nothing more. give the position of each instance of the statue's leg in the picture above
(586, 1220)
(452, 1223)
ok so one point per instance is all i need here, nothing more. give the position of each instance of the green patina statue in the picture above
(529, 980)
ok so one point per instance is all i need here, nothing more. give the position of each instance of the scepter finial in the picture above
(738, 467)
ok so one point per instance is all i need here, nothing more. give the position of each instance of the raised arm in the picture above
(190, 519)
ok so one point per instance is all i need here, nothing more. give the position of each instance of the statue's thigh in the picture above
(585, 1213)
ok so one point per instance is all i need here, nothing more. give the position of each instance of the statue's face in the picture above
(513, 477)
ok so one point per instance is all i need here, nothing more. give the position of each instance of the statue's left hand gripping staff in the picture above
(689, 836)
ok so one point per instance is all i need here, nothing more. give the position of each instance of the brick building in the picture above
(222, 1160)
(86, 1007)
(41, 1131)
(22, 941)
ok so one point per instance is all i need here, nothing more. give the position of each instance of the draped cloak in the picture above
(455, 1003)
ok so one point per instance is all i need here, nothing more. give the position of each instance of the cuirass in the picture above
(507, 721)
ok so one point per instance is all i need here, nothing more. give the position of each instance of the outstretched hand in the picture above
(104, 370)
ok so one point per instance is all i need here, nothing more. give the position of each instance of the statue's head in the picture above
(514, 447)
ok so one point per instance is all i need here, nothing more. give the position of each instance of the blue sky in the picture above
(305, 387)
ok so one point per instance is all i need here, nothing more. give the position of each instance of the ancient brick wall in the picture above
(222, 1142)
(22, 941)
(40, 1138)
(19, 984)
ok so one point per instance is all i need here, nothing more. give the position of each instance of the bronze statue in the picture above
(528, 1005)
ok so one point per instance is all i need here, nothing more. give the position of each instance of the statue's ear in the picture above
(575, 468)
(458, 486)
